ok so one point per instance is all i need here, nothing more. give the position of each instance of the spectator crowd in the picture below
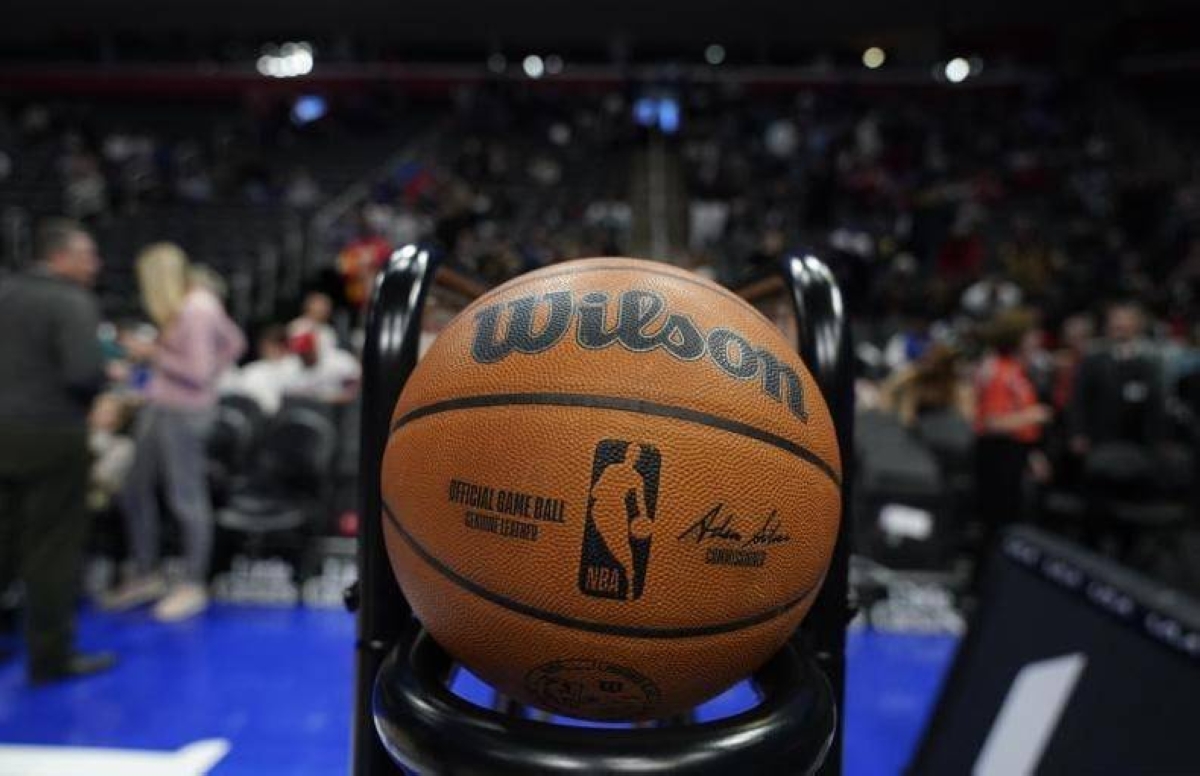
(506, 181)
(143, 404)
(1021, 268)
(107, 163)
(1018, 266)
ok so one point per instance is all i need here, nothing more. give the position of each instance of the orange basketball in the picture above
(611, 489)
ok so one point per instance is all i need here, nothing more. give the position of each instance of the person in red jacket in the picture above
(1008, 420)
(360, 261)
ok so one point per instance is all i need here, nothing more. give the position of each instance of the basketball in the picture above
(611, 489)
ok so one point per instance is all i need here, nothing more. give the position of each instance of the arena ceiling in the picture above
(482, 23)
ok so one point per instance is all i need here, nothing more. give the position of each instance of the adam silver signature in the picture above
(720, 524)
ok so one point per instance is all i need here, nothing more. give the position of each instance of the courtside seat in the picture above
(287, 492)
(231, 444)
(1144, 531)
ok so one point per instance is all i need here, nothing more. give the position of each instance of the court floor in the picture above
(263, 691)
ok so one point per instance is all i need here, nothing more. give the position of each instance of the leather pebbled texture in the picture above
(612, 489)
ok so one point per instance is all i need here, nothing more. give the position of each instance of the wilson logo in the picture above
(536, 323)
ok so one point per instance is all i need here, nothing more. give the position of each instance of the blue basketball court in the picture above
(260, 691)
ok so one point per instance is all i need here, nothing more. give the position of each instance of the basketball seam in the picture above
(632, 631)
(720, 290)
(622, 404)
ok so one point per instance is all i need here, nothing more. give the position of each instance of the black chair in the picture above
(287, 490)
(950, 438)
(405, 714)
(897, 469)
(324, 408)
(948, 435)
(231, 444)
(1135, 517)
(244, 406)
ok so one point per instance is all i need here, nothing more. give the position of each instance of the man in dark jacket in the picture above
(1117, 417)
(1119, 392)
(50, 370)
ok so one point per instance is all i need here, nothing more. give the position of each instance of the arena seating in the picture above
(233, 443)
(281, 503)
(910, 195)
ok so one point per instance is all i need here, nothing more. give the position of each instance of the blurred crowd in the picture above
(106, 421)
(1021, 268)
(1090, 428)
(1050, 197)
(1020, 265)
(507, 181)
(107, 163)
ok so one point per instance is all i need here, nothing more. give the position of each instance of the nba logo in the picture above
(622, 501)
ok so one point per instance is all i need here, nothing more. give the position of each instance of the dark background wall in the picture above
(599, 30)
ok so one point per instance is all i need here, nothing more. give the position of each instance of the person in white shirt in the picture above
(316, 315)
(326, 374)
(268, 378)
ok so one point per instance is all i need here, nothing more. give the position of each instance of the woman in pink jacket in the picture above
(197, 342)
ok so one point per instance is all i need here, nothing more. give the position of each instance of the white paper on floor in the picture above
(195, 759)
